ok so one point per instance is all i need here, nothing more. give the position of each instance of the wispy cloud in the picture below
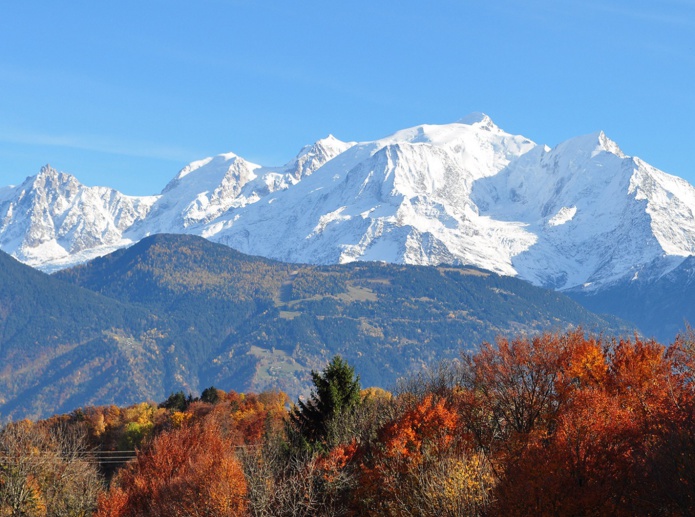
(100, 144)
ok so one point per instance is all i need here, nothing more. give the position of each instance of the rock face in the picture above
(579, 217)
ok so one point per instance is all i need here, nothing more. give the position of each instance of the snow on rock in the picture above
(201, 191)
(565, 214)
(617, 213)
(205, 189)
(404, 198)
(312, 157)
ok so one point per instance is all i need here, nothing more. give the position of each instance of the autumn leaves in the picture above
(557, 424)
(576, 426)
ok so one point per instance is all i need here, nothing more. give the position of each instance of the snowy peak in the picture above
(312, 157)
(670, 205)
(479, 149)
(597, 214)
(404, 198)
(49, 179)
(207, 189)
(47, 170)
(478, 119)
(587, 147)
(580, 215)
(51, 216)
(201, 191)
(209, 171)
(608, 145)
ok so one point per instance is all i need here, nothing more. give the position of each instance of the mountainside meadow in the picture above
(557, 424)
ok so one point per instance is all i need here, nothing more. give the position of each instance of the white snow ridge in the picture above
(581, 215)
(564, 215)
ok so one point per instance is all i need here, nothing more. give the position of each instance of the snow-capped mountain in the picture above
(51, 217)
(402, 199)
(205, 189)
(595, 214)
(579, 216)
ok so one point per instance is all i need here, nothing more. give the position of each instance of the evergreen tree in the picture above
(210, 395)
(337, 390)
(177, 402)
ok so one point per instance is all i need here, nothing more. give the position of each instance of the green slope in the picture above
(62, 346)
(248, 323)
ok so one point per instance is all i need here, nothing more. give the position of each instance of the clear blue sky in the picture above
(125, 93)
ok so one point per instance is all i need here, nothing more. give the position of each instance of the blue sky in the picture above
(126, 93)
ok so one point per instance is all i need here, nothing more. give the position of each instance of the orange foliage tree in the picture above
(511, 389)
(421, 464)
(594, 453)
(255, 416)
(191, 471)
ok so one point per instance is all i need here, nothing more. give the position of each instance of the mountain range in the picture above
(582, 218)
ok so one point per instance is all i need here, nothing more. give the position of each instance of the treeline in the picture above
(558, 424)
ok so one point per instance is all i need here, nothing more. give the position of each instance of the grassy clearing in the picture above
(273, 364)
(463, 271)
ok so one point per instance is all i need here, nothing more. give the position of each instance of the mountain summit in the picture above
(477, 118)
(581, 216)
(52, 217)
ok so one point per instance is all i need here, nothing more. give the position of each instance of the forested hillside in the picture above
(246, 322)
(62, 346)
(178, 312)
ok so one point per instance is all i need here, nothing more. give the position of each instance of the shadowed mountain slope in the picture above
(62, 346)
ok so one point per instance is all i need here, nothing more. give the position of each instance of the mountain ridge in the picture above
(582, 215)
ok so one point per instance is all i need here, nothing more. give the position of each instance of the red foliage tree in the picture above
(191, 471)
(616, 404)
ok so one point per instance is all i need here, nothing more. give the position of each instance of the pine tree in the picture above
(210, 395)
(337, 390)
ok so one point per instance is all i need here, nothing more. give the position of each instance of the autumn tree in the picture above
(46, 471)
(672, 456)
(191, 471)
(586, 466)
(606, 448)
(256, 417)
(421, 464)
